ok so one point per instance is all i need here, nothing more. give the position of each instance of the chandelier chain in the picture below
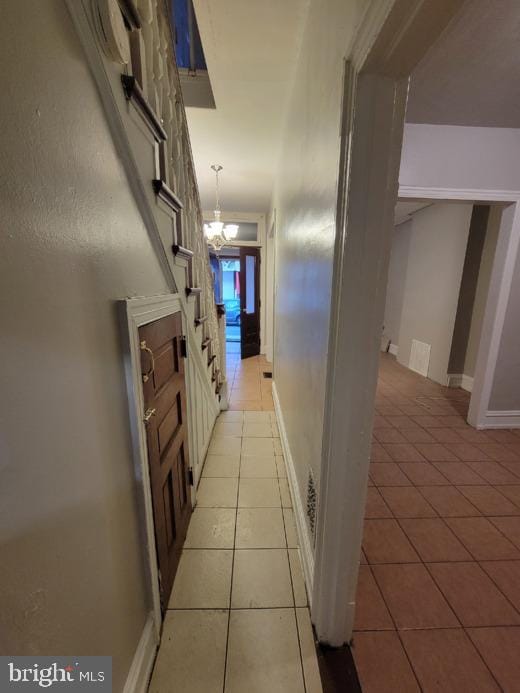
(217, 170)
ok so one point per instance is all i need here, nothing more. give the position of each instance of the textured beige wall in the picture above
(72, 243)
(305, 202)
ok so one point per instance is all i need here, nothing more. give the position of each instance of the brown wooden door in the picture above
(249, 301)
(162, 367)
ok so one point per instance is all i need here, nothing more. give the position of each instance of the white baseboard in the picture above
(460, 380)
(224, 396)
(501, 419)
(467, 383)
(202, 461)
(454, 380)
(144, 658)
(393, 349)
(304, 539)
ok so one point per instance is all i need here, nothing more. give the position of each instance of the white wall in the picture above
(397, 273)
(438, 239)
(305, 203)
(397, 269)
(454, 157)
(72, 244)
(484, 163)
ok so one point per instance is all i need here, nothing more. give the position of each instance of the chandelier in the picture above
(217, 233)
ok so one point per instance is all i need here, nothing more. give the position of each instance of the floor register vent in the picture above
(311, 503)
(420, 357)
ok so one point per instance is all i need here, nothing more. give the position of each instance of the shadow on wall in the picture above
(49, 607)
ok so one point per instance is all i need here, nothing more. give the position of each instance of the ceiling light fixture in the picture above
(217, 233)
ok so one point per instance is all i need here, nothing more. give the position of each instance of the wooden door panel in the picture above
(167, 441)
(168, 459)
(160, 333)
(249, 302)
(167, 396)
(170, 423)
(165, 365)
(169, 513)
(183, 488)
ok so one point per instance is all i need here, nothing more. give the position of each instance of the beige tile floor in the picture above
(238, 618)
(248, 389)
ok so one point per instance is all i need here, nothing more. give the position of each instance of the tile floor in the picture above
(238, 618)
(438, 602)
(248, 389)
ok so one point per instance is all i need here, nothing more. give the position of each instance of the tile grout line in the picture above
(232, 570)
(447, 628)
(445, 524)
(435, 517)
(293, 594)
(237, 608)
(443, 518)
(288, 566)
(396, 630)
(430, 573)
(487, 560)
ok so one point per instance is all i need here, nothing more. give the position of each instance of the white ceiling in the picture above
(471, 76)
(251, 50)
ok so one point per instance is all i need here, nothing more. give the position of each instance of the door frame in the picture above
(508, 243)
(270, 287)
(261, 242)
(257, 278)
(391, 39)
(137, 312)
(223, 256)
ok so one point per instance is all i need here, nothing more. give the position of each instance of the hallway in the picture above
(249, 389)
(238, 618)
(321, 117)
(438, 602)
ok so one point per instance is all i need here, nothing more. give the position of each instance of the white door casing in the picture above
(390, 41)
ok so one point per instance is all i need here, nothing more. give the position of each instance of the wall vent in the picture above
(420, 357)
(311, 503)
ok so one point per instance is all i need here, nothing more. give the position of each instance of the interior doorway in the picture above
(237, 285)
(438, 282)
(250, 302)
(371, 176)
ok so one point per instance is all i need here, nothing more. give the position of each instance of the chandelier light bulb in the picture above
(231, 231)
